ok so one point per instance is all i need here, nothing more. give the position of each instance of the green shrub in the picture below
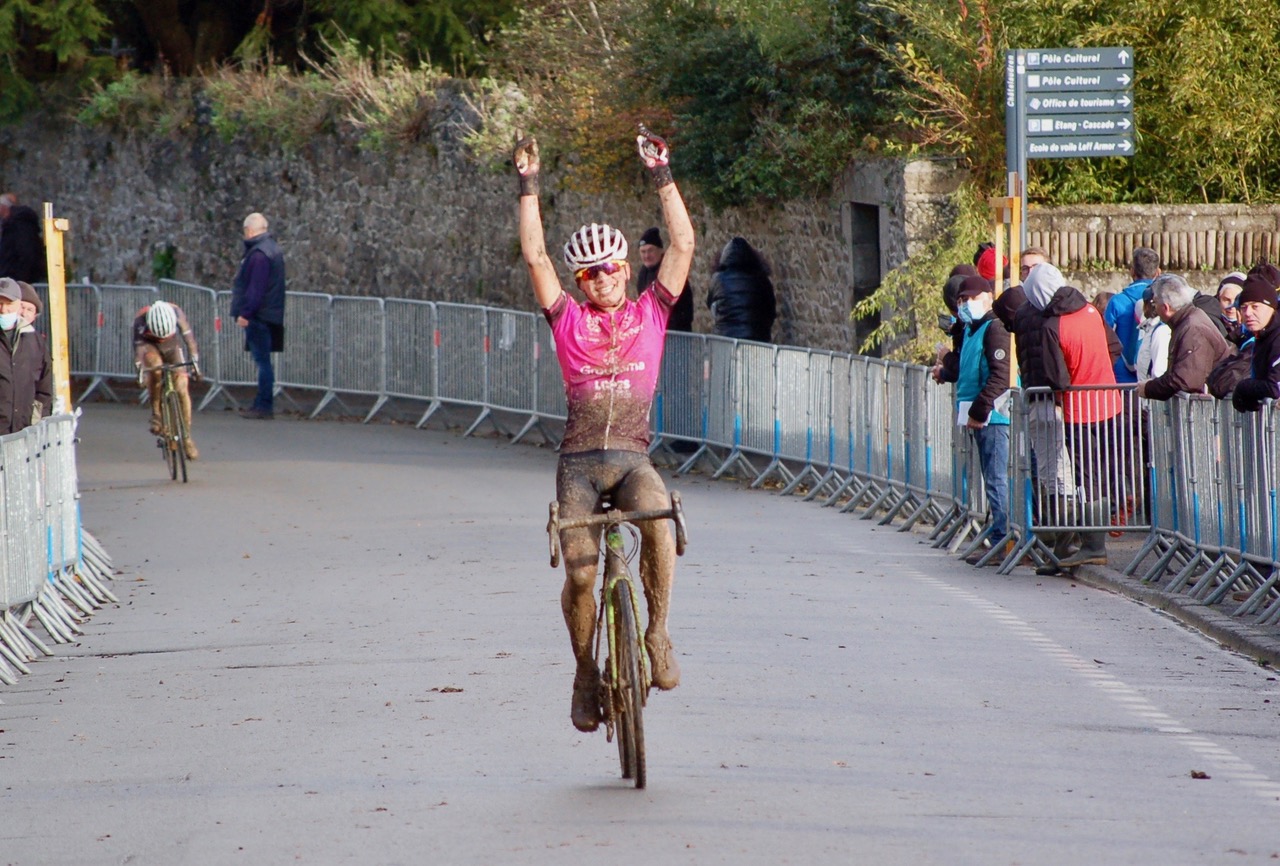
(909, 298)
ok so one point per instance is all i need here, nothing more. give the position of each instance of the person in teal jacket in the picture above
(982, 387)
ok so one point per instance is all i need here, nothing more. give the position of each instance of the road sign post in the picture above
(1065, 103)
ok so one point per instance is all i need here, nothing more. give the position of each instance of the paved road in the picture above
(342, 644)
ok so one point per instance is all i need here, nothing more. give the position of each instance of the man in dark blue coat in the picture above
(257, 305)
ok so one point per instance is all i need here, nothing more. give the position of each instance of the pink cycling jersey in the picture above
(610, 364)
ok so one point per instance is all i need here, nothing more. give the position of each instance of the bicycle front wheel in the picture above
(168, 443)
(628, 688)
(177, 436)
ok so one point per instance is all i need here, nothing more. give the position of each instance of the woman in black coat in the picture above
(741, 295)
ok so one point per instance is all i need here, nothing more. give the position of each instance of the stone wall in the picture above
(426, 222)
(1201, 242)
(422, 222)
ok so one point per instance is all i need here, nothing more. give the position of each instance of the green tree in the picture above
(1206, 74)
(771, 99)
(38, 39)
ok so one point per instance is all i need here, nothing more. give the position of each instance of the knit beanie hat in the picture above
(1235, 278)
(30, 296)
(1268, 272)
(651, 237)
(1257, 290)
(987, 263)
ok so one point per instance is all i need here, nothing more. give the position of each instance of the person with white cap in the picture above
(1229, 289)
(26, 372)
(610, 351)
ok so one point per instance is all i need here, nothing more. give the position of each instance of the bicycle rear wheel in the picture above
(177, 436)
(628, 689)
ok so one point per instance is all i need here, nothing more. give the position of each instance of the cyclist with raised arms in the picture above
(161, 335)
(609, 349)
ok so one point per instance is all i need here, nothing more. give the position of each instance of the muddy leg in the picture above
(643, 490)
(150, 359)
(184, 400)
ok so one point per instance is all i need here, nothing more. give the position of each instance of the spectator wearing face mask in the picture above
(1228, 313)
(981, 399)
(947, 363)
(26, 374)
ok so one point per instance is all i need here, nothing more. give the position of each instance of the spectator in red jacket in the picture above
(1079, 350)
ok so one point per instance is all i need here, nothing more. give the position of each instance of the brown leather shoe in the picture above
(192, 452)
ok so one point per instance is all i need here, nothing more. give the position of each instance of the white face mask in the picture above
(8, 320)
(975, 309)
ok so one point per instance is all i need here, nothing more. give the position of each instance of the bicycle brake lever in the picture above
(677, 514)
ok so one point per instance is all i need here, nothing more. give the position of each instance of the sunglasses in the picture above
(606, 268)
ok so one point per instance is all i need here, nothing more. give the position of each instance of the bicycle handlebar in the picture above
(675, 513)
(143, 370)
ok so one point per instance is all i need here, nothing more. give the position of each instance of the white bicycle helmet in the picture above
(162, 319)
(594, 244)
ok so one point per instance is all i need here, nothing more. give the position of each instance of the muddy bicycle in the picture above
(172, 438)
(626, 668)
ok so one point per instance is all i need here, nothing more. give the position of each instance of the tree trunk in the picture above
(164, 25)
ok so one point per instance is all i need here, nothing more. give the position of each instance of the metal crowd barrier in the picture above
(51, 569)
(1214, 483)
(874, 437)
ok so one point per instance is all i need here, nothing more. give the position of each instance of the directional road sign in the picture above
(1050, 84)
(1078, 124)
(1067, 103)
(1093, 145)
(1079, 58)
(1083, 102)
(1105, 79)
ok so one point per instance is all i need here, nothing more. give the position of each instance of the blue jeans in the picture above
(993, 451)
(258, 337)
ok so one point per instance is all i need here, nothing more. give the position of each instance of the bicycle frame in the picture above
(172, 438)
(616, 571)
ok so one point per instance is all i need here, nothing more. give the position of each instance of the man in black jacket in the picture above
(651, 252)
(1257, 302)
(21, 249)
(257, 305)
(741, 296)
